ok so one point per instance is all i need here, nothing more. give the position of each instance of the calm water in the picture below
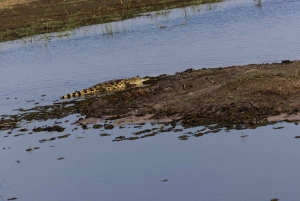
(213, 167)
(221, 166)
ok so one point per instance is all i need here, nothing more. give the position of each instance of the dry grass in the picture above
(266, 81)
(10, 3)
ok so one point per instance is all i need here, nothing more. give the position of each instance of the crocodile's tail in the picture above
(109, 86)
(80, 93)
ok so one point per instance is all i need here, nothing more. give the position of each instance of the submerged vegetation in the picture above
(59, 16)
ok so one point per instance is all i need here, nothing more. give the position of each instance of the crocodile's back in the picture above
(109, 86)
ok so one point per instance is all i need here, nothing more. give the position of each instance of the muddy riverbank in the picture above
(232, 97)
(30, 17)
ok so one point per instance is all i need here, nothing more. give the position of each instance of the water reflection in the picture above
(215, 166)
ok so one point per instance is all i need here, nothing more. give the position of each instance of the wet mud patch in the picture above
(105, 134)
(49, 129)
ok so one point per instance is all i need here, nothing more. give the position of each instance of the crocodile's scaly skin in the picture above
(109, 86)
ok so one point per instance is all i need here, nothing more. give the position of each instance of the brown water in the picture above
(220, 166)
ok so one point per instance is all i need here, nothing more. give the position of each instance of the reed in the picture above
(108, 30)
(0, 195)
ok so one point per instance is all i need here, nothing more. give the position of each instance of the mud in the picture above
(49, 129)
(235, 97)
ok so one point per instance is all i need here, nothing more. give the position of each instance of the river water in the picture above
(220, 166)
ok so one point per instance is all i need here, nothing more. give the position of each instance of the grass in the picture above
(111, 29)
(267, 81)
(108, 30)
(66, 21)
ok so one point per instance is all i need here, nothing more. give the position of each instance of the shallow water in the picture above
(220, 166)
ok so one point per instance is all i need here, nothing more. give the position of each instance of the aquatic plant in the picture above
(111, 29)
(164, 14)
(257, 3)
(0, 195)
(243, 135)
(1, 49)
(159, 25)
(108, 30)
(124, 29)
(61, 34)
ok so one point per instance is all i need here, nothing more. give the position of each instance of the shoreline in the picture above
(26, 18)
(235, 97)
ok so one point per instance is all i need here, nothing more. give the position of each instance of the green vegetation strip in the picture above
(35, 18)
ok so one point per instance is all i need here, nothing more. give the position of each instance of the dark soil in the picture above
(49, 129)
(238, 96)
(234, 97)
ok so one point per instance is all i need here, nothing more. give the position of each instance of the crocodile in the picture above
(108, 87)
